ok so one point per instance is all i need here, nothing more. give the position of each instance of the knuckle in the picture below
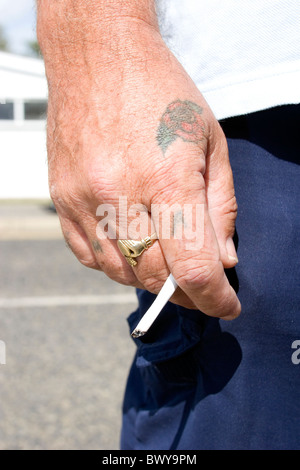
(89, 262)
(93, 181)
(101, 181)
(226, 212)
(83, 254)
(191, 276)
(237, 312)
(153, 270)
(62, 196)
(226, 308)
(152, 284)
(230, 208)
(54, 193)
(224, 202)
(171, 176)
(118, 272)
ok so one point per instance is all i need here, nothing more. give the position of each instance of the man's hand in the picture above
(125, 120)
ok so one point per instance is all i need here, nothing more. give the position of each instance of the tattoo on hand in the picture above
(177, 225)
(182, 119)
(97, 247)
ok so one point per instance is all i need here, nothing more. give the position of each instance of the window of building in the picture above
(35, 110)
(6, 110)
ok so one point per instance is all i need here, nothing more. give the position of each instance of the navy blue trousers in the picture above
(203, 383)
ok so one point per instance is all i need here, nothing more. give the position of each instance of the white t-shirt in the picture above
(244, 55)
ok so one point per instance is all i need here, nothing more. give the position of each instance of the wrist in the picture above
(75, 36)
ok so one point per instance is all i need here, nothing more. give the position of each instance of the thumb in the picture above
(221, 200)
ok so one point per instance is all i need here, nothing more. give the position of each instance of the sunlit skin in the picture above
(125, 119)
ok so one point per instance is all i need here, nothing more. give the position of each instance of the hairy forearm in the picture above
(99, 10)
(81, 35)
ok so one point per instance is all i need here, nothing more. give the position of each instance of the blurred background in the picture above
(68, 349)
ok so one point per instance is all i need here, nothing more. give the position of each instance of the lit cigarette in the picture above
(152, 313)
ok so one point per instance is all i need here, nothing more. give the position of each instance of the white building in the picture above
(23, 104)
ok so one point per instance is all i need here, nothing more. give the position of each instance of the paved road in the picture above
(68, 348)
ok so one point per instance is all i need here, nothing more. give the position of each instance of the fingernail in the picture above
(231, 251)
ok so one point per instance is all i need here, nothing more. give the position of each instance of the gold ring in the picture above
(131, 249)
